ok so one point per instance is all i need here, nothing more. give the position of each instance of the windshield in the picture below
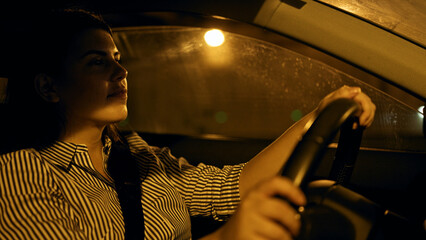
(244, 88)
(406, 18)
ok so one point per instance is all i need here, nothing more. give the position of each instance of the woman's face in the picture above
(93, 86)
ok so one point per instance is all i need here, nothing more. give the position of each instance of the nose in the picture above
(120, 72)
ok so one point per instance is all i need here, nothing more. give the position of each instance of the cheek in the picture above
(92, 94)
(84, 94)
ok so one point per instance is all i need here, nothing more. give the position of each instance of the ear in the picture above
(46, 88)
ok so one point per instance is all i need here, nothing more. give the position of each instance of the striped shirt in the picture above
(56, 193)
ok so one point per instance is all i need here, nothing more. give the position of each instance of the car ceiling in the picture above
(235, 9)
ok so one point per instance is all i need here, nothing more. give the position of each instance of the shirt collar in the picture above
(62, 153)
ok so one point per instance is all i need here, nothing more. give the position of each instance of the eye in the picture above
(97, 61)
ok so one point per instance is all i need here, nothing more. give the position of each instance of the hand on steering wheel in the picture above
(368, 109)
(262, 215)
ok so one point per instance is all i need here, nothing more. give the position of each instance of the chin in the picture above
(120, 118)
(116, 115)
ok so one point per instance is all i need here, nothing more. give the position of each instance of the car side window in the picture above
(244, 88)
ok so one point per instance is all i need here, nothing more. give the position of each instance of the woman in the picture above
(70, 175)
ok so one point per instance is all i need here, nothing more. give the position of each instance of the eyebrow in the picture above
(98, 52)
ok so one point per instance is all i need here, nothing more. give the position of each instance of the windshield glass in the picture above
(244, 88)
(406, 18)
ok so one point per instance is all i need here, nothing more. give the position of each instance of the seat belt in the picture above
(123, 169)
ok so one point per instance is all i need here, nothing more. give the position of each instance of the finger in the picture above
(367, 107)
(349, 92)
(282, 186)
(273, 230)
(370, 120)
(281, 212)
(343, 92)
(267, 228)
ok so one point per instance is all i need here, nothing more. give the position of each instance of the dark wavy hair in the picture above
(40, 46)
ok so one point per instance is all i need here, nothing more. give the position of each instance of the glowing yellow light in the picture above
(214, 37)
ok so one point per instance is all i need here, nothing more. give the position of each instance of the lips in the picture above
(118, 93)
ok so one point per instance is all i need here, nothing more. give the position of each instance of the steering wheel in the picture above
(333, 211)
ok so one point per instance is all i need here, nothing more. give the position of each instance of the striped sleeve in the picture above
(31, 205)
(207, 190)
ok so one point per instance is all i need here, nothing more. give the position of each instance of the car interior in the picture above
(269, 64)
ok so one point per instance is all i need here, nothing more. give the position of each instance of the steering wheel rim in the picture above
(333, 211)
(308, 153)
(304, 161)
